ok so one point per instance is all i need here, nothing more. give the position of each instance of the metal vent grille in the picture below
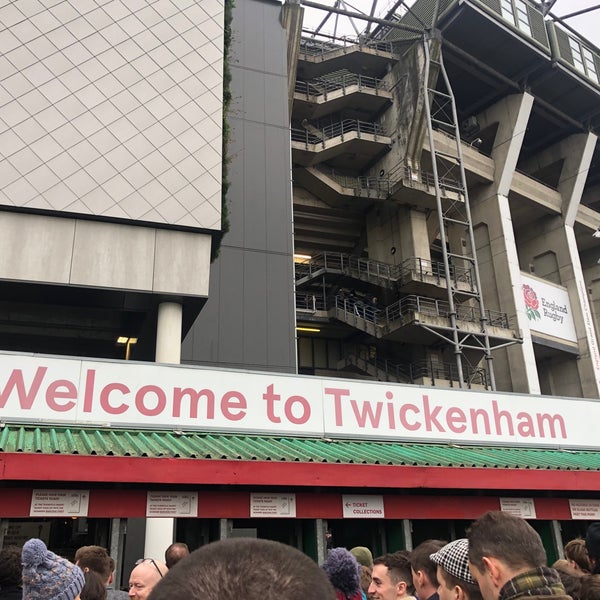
(538, 26)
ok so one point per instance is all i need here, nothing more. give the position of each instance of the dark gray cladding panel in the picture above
(249, 319)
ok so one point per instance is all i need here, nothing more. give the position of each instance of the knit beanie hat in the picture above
(592, 540)
(363, 556)
(47, 576)
(343, 571)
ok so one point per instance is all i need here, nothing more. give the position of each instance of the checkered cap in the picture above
(454, 558)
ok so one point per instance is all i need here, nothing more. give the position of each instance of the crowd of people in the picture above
(502, 558)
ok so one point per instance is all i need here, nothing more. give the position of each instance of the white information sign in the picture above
(38, 389)
(172, 504)
(58, 503)
(519, 507)
(585, 510)
(273, 505)
(548, 308)
(362, 507)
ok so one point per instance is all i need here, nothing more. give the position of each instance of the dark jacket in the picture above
(11, 592)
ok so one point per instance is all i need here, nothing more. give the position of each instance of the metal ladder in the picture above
(440, 110)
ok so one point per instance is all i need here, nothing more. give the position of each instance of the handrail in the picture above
(421, 268)
(321, 86)
(336, 130)
(385, 183)
(312, 47)
(389, 315)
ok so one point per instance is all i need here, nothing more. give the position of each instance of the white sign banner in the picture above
(172, 504)
(548, 308)
(36, 389)
(273, 505)
(586, 510)
(59, 503)
(519, 507)
(362, 507)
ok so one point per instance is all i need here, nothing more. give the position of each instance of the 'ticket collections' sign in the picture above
(145, 395)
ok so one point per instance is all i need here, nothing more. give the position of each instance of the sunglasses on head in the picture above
(143, 560)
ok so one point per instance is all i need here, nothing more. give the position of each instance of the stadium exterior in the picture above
(400, 330)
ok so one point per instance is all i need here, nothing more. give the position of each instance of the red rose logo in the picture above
(531, 302)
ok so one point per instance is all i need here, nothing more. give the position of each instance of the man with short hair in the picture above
(508, 560)
(391, 577)
(248, 569)
(424, 570)
(97, 559)
(453, 575)
(175, 552)
(144, 576)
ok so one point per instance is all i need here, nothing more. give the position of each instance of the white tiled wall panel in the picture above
(113, 108)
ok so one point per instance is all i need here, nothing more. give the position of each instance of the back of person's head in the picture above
(592, 544)
(507, 538)
(343, 571)
(398, 565)
(577, 554)
(94, 588)
(47, 576)
(363, 555)
(10, 567)
(420, 559)
(252, 569)
(175, 552)
(570, 578)
(95, 558)
(590, 587)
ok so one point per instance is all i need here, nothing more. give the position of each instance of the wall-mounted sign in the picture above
(273, 505)
(362, 507)
(59, 503)
(548, 308)
(586, 510)
(172, 504)
(519, 507)
(36, 389)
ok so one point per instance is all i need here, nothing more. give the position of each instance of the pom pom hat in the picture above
(47, 576)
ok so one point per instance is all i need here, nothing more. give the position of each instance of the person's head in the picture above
(590, 587)
(592, 544)
(175, 552)
(144, 576)
(96, 559)
(363, 555)
(10, 567)
(577, 555)
(391, 578)
(570, 578)
(252, 569)
(47, 576)
(94, 588)
(455, 579)
(502, 546)
(343, 571)
(424, 570)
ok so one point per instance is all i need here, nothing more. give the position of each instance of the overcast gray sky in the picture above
(588, 25)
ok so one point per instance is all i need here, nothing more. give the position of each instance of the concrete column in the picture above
(499, 269)
(575, 153)
(400, 228)
(160, 531)
(168, 333)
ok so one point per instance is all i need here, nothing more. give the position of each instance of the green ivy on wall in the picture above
(229, 4)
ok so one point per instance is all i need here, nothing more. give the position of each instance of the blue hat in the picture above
(47, 576)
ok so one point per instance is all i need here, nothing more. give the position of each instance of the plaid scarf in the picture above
(542, 581)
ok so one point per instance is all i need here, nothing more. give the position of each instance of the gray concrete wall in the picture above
(249, 319)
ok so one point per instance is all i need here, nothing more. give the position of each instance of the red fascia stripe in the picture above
(116, 469)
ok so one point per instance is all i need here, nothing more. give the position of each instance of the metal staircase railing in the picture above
(337, 130)
(322, 86)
